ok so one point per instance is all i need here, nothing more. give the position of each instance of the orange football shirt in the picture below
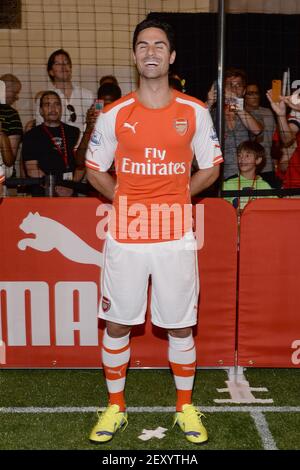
(153, 151)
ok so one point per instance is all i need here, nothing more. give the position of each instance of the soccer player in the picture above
(152, 134)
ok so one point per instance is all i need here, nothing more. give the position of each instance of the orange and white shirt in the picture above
(153, 151)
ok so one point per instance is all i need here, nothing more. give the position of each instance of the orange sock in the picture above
(184, 375)
(118, 399)
(115, 358)
(182, 357)
(183, 397)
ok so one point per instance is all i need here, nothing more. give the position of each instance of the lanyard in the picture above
(63, 154)
(239, 188)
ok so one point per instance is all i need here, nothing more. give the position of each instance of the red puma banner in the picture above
(269, 297)
(51, 259)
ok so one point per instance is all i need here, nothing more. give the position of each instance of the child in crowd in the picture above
(251, 159)
(109, 92)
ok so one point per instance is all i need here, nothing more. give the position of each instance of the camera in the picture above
(235, 104)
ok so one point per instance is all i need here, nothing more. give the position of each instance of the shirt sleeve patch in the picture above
(213, 134)
(96, 138)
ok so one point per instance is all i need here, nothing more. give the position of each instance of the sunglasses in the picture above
(73, 115)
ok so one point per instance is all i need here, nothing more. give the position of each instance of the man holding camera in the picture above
(239, 123)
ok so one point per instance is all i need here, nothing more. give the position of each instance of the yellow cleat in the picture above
(110, 420)
(189, 420)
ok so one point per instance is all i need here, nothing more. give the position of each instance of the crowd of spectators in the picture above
(54, 142)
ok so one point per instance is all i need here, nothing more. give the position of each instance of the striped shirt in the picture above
(10, 120)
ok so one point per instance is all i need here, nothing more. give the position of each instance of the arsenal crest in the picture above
(105, 304)
(181, 126)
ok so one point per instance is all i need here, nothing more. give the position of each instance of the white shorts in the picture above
(175, 282)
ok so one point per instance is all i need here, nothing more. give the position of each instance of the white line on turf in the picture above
(153, 409)
(263, 430)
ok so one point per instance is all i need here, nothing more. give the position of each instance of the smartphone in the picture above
(99, 105)
(276, 90)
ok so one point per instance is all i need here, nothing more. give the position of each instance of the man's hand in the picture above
(91, 117)
(293, 101)
(62, 191)
(280, 107)
(287, 131)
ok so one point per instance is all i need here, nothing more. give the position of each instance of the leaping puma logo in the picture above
(130, 126)
(117, 372)
(50, 234)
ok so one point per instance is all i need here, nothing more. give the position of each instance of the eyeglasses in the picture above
(234, 85)
(73, 115)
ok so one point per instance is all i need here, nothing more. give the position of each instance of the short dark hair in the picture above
(46, 93)
(155, 23)
(108, 79)
(109, 89)
(234, 72)
(257, 149)
(51, 60)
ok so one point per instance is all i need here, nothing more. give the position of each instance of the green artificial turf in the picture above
(283, 384)
(145, 388)
(285, 428)
(71, 430)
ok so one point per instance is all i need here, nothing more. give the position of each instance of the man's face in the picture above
(61, 70)
(235, 85)
(51, 109)
(108, 99)
(252, 96)
(152, 53)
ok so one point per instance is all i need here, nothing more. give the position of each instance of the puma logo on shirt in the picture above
(130, 126)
